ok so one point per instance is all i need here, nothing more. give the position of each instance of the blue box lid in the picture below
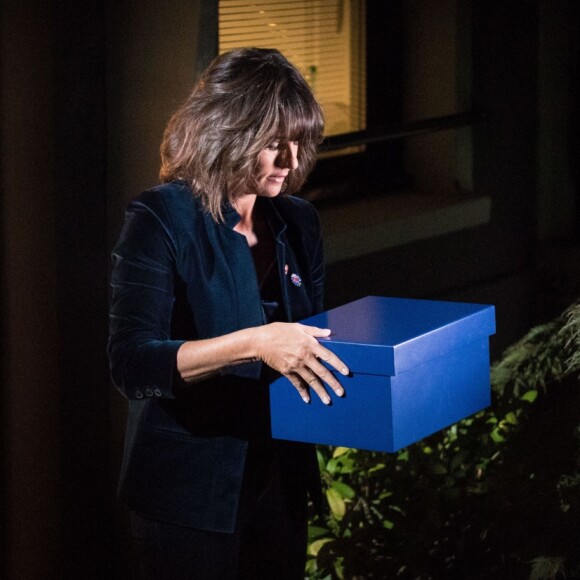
(387, 336)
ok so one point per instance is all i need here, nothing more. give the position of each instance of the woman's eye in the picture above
(273, 146)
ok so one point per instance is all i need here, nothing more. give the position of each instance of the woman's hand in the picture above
(292, 350)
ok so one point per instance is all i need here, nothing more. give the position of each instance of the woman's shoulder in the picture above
(167, 212)
(174, 193)
(173, 201)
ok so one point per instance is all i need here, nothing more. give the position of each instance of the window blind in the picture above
(324, 39)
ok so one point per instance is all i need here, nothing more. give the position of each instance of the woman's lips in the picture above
(277, 178)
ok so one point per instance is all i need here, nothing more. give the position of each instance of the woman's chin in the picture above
(270, 191)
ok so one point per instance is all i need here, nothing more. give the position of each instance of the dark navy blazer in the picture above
(178, 275)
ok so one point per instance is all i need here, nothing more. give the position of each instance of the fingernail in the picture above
(340, 392)
(344, 371)
(326, 401)
(305, 399)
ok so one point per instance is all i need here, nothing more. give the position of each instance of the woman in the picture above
(211, 270)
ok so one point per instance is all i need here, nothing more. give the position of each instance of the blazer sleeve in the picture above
(141, 353)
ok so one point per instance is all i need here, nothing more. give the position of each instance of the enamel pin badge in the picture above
(296, 280)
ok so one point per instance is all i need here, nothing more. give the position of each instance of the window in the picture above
(324, 39)
(392, 77)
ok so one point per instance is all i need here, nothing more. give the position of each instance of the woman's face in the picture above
(274, 164)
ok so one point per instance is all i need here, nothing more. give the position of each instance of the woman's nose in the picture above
(288, 157)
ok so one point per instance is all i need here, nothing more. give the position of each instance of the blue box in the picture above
(417, 366)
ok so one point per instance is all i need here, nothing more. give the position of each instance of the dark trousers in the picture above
(269, 541)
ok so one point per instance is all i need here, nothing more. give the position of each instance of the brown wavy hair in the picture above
(246, 99)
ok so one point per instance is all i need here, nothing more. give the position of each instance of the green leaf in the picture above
(530, 396)
(403, 455)
(547, 567)
(336, 503)
(315, 547)
(497, 436)
(376, 467)
(315, 532)
(332, 466)
(388, 524)
(349, 466)
(344, 490)
(511, 418)
(340, 451)
(311, 567)
(458, 459)
(340, 465)
(397, 509)
(321, 460)
(339, 567)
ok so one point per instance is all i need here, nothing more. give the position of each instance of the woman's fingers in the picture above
(292, 349)
(314, 330)
(323, 353)
(323, 375)
(300, 386)
(331, 359)
(316, 374)
(320, 373)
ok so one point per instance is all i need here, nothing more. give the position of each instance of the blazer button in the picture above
(149, 392)
(138, 395)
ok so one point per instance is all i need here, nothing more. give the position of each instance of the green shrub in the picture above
(413, 513)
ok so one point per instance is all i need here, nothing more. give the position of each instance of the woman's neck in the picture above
(245, 207)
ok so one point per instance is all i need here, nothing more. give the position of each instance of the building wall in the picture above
(493, 262)
(86, 89)
(29, 354)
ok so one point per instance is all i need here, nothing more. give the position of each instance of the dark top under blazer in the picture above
(178, 275)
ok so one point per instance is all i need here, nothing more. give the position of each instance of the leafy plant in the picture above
(381, 507)
(546, 568)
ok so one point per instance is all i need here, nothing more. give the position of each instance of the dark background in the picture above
(86, 88)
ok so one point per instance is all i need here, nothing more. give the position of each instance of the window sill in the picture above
(361, 227)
